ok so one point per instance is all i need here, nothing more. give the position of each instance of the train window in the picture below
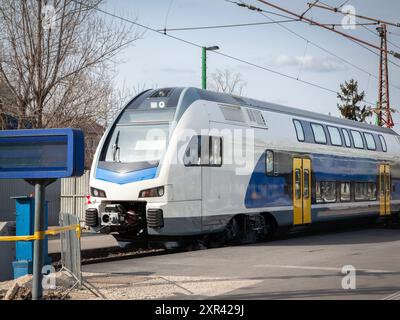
(216, 151)
(192, 154)
(299, 130)
(372, 190)
(365, 191)
(269, 163)
(336, 139)
(203, 151)
(319, 133)
(383, 143)
(346, 138)
(345, 192)
(357, 139)
(297, 184)
(387, 175)
(325, 191)
(370, 141)
(306, 189)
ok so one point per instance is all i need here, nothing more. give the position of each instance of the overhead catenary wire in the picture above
(251, 24)
(327, 7)
(228, 25)
(316, 85)
(286, 11)
(369, 30)
(377, 22)
(329, 51)
(167, 15)
(343, 4)
(254, 8)
(262, 12)
(309, 8)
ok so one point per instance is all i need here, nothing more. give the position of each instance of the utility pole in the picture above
(383, 111)
(204, 65)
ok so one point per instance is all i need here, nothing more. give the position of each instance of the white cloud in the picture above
(310, 63)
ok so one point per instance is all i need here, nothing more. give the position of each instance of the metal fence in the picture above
(71, 247)
(73, 195)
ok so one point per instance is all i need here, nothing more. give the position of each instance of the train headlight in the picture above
(98, 193)
(152, 193)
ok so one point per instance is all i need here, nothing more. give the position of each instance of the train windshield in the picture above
(139, 138)
(137, 143)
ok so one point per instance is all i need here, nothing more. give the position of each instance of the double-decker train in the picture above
(185, 163)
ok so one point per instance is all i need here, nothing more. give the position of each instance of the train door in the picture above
(384, 189)
(301, 191)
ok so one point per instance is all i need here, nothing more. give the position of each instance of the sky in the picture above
(157, 60)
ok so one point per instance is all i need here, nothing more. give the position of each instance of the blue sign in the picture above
(41, 154)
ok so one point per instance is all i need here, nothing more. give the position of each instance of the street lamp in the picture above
(204, 65)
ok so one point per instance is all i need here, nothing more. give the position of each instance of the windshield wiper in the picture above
(115, 147)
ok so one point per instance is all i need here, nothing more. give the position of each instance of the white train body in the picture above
(174, 188)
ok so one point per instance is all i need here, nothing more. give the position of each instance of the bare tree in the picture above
(227, 81)
(55, 57)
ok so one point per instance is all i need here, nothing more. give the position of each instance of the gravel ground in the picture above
(127, 287)
(102, 286)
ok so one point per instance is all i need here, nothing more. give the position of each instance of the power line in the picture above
(395, 54)
(254, 8)
(309, 8)
(359, 42)
(363, 46)
(343, 4)
(328, 7)
(227, 25)
(320, 47)
(215, 52)
(167, 15)
(333, 25)
(328, 51)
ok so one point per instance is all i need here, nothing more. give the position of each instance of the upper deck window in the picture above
(319, 133)
(357, 139)
(299, 130)
(370, 141)
(336, 139)
(346, 138)
(383, 143)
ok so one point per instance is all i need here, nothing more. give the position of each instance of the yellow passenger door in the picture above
(384, 189)
(301, 191)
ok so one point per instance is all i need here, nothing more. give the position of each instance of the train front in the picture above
(125, 171)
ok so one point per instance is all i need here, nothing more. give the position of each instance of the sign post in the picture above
(38, 248)
(40, 157)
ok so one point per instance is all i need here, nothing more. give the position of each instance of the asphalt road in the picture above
(307, 266)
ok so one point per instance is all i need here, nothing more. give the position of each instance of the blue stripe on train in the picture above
(124, 178)
(267, 191)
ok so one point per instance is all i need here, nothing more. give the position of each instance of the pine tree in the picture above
(349, 102)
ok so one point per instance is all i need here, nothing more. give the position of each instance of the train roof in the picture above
(253, 103)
